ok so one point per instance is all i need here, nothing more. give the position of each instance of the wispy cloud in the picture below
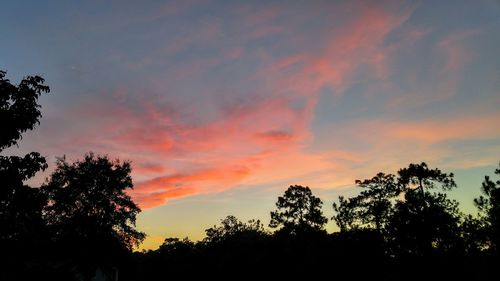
(204, 97)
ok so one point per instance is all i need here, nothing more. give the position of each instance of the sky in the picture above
(221, 105)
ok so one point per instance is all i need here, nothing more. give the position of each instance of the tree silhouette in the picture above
(424, 223)
(376, 199)
(298, 211)
(19, 108)
(417, 230)
(474, 233)
(420, 177)
(231, 228)
(20, 205)
(489, 208)
(23, 234)
(88, 203)
(411, 219)
(347, 213)
(371, 208)
(173, 244)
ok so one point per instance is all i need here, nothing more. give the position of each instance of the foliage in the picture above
(371, 208)
(298, 211)
(419, 176)
(423, 230)
(19, 108)
(173, 244)
(412, 220)
(87, 201)
(232, 228)
(424, 222)
(347, 213)
(20, 205)
(23, 233)
(474, 234)
(489, 210)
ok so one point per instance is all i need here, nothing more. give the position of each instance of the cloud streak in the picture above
(204, 97)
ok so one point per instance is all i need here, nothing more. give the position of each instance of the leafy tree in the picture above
(376, 199)
(20, 205)
(371, 208)
(298, 211)
(347, 213)
(23, 233)
(19, 108)
(421, 178)
(489, 208)
(88, 203)
(231, 227)
(474, 234)
(173, 244)
(411, 219)
(424, 222)
(418, 230)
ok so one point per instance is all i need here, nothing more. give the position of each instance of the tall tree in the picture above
(410, 218)
(421, 178)
(23, 234)
(298, 211)
(371, 208)
(489, 208)
(347, 213)
(88, 202)
(424, 222)
(20, 205)
(422, 228)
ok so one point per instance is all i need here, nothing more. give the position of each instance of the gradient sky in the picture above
(221, 105)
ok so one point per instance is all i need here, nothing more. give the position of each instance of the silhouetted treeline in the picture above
(80, 224)
(395, 229)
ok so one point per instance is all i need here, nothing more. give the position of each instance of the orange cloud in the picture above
(154, 199)
(248, 139)
(356, 43)
(263, 141)
(156, 191)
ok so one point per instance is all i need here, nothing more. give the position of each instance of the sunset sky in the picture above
(221, 105)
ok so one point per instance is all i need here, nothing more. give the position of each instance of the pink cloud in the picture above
(266, 138)
(247, 141)
(154, 199)
(358, 42)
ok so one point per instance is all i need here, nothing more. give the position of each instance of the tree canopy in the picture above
(297, 211)
(489, 209)
(19, 108)
(88, 201)
(231, 228)
(20, 205)
(411, 219)
(372, 207)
